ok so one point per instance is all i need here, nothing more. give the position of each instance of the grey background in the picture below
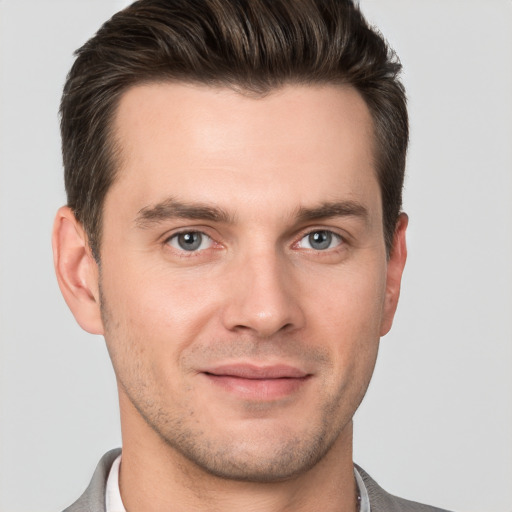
(436, 425)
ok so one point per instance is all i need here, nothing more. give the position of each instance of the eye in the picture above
(190, 241)
(320, 240)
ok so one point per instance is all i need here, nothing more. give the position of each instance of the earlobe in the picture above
(77, 271)
(396, 264)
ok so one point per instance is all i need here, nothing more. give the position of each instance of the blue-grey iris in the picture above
(320, 240)
(190, 241)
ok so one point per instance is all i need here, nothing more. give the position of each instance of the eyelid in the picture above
(170, 237)
(342, 239)
(180, 230)
(204, 239)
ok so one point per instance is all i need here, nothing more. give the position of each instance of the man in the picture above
(233, 229)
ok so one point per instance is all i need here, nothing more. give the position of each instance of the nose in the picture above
(263, 297)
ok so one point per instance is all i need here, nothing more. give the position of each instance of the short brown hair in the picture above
(248, 45)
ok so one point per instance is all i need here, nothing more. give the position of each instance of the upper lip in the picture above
(251, 371)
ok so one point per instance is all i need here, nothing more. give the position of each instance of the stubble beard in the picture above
(235, 459)
(224, 457)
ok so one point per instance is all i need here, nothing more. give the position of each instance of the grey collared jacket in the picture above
(93, 499)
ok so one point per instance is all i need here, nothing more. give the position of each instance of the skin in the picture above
(257, 177)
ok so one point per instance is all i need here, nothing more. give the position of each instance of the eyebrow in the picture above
(333, 209)
(173, 209)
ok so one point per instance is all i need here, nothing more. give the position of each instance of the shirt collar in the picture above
(114, 503)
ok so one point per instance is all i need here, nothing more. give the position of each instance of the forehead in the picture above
(296, 144)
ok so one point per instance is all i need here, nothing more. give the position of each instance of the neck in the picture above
(155, 477)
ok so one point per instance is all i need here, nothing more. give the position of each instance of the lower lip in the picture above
(258, 389)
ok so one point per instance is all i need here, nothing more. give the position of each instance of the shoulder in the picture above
(93, 499)
(382, 501)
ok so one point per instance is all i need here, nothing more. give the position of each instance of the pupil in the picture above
(189, 241)
(320, 239)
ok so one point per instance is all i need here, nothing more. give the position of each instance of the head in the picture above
(234, 173)
(253, 47)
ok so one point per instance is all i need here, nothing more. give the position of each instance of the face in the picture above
(244, 282)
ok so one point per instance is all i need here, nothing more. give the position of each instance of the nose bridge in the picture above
(263, 298)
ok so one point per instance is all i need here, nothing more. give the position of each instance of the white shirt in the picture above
(113, 500)
(114, 503)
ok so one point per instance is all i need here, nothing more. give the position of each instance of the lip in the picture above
(260, 383)
(251, 371)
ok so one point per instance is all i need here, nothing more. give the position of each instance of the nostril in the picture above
(263, 303)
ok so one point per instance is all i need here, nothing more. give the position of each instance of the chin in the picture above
(266, 457)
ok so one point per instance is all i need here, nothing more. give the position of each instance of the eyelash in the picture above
(183, 252)
(332, 236)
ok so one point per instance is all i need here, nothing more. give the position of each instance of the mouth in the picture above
(260, 383)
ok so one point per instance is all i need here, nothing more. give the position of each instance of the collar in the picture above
(114, 503)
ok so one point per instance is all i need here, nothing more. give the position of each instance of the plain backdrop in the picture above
(436, 425)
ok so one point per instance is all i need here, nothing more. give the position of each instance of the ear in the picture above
(395, 270)
(77, 271)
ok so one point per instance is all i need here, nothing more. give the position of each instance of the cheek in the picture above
(154, 316)
(350, 318)
(351, 301)
(159, 310)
